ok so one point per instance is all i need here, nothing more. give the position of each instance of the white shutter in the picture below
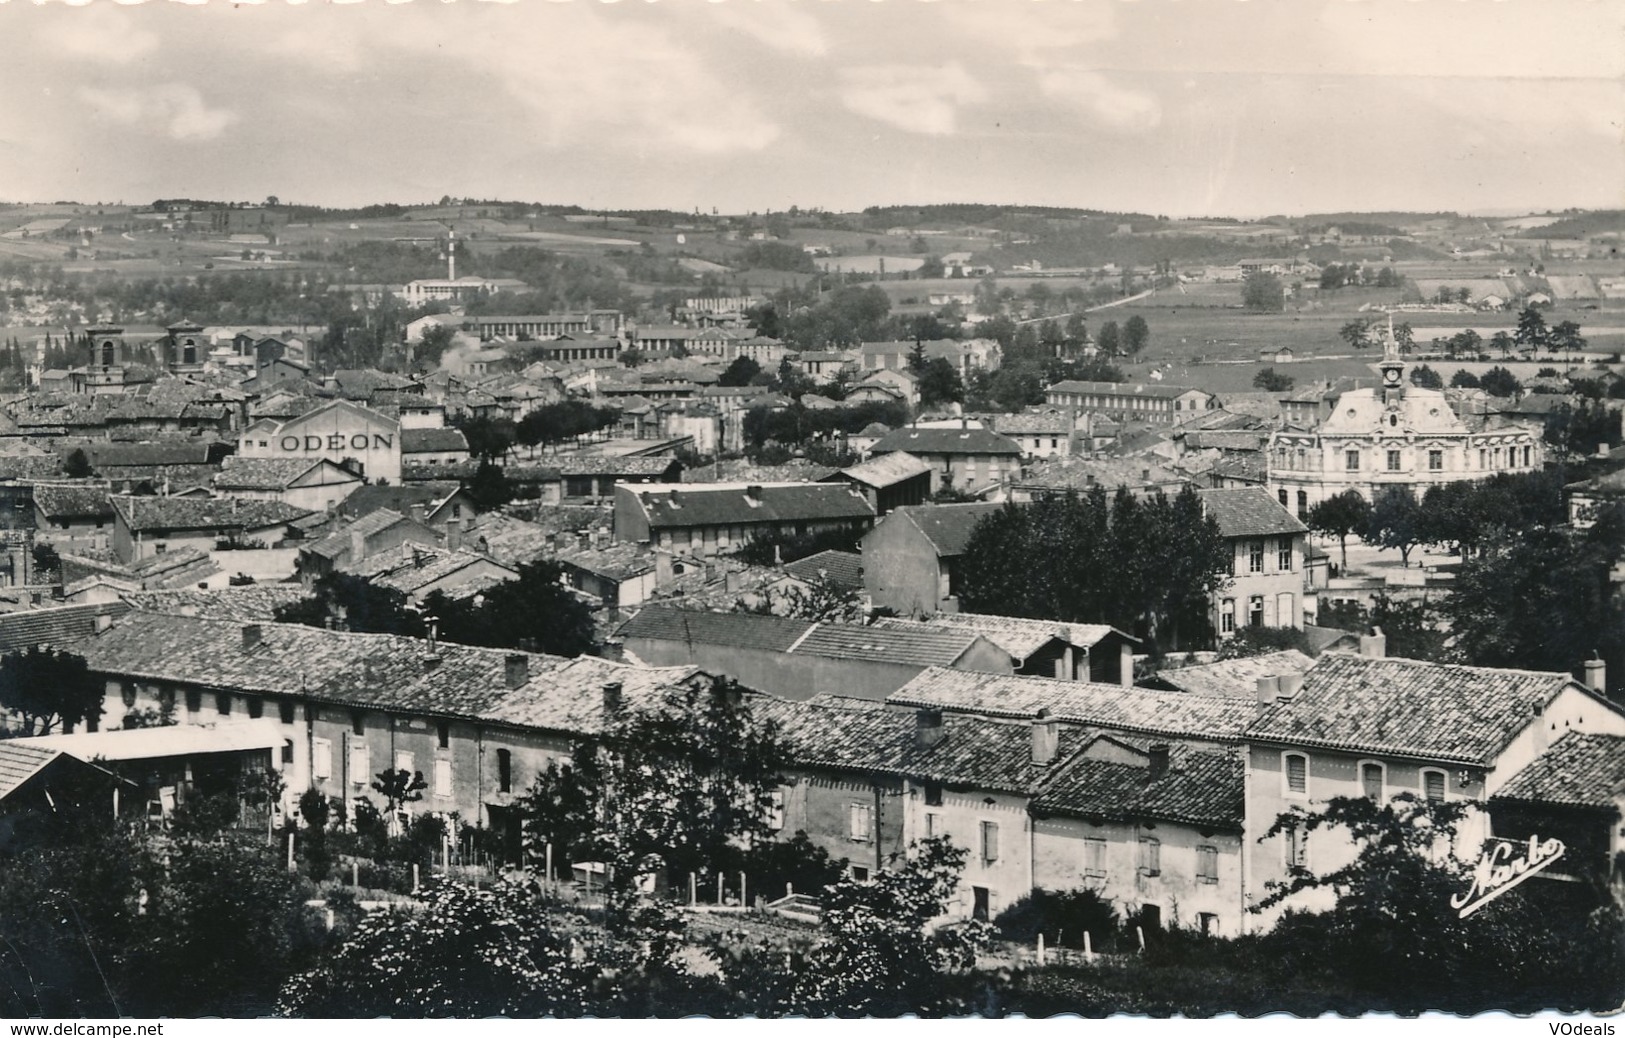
(442, 778)
(360, 764)
(321, 761)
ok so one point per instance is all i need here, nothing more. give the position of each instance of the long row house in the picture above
(1160, 800)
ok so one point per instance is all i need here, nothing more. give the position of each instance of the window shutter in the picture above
(1297, 773)
(442, 778)
(322, 759)
(990, 841)
(360, 765)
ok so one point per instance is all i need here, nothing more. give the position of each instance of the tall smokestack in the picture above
(451, 255)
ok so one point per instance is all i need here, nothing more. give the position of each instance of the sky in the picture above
(1176, 107)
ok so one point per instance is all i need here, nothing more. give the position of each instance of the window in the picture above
(1296, 768)
(1371, 780)
(1281, 494)
(222, 703)
(1483, 458)
(1094, 857)
(1433, 785)
(504, 771)
(287, 751)
(1303, 503)
(442, 778)
(860, 822)
(1435, 461)
(933, 794)
(358, 722)
(360, 764)
(990, 841)
(1207, 923)
(256, 707)
(775, 810)
(1526, 457)
(194, 701)
(403, 762)
(860, 874)
(1150, 856)
(1283, 556)
(1351, 460)
(1295, 847)
(284, 709)
(443, 731)
(1255, 611)
(321, 759)
(1255, 556)
(127, 693)
(933, 824)
(1227, 616)
(1207, 864)
(1393, 461)
(1283, 610)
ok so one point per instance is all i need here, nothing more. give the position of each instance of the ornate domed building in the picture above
(1398, 435)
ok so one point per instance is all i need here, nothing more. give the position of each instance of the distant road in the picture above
(1092, 309)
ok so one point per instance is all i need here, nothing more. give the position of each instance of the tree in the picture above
(535, 612)
(1577, 430)
(1395, 936)
(357, 604)
(1426, 377)
(489, 438)
(1498, 381)
(1136, 336)
(466, 953)
(78, 465)
(436, 340)
(1503, 342)
(1531, 334)
(680, 782)
(878, 954)
(1263, 293)
(1272, 381)
(1356, 333)
(49, 688)
(819, 598)
(490, 486)
(398, 787)
(1404, 337)
(1565, 336)
(1346, 513)
(1396, 522)
(1541, 600)
(1147, 567)
(1463, 379)
(1109, 340)
(940, 384)
(740, 372)
(1257, 641)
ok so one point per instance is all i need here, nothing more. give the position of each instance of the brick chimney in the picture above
(612, 698)
(1374, 645)
(928, 730)
(253, 634)
(1045, 737)
(516, 669)
(1268, 689)
(1158, 761)
(454, 534)
(1596, 672)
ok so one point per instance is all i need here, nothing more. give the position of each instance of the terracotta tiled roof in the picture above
(418, 441)
(1249, 512)
(73, 500)
(238, 473)
(1018, 636)
(1140, 710)
(338, 542)
(53, 626)
(978, 752)
(885, 470)
(1199, 788)
(192, 513)
(242, 604)
(838, 567)
(947, 527)
(945, 441)
(1397, 707)
(720, 504)
(740, 630)
(1236, 678)
(1579, 770)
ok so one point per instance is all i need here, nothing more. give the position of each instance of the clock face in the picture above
(1390, 376)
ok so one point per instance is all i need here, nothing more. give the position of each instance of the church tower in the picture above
(1392, 368)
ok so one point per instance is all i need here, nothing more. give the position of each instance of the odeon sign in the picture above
(338, 442)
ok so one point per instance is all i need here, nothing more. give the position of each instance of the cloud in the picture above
(1031, 29)
(920, 99)
(1102, 101)
(776, 23)
(176, 109)
(104, 32)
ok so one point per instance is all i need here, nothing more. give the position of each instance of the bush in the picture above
(1062, 916)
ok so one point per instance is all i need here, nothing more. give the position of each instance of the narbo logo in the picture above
(1503, 865)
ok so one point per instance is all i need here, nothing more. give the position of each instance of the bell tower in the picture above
(1392, 368)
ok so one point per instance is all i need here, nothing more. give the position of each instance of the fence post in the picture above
(719, 890)
(291, 865)
(789, 890)
(1088, 947)
(1139, 931)
(355, 874)
(416, 883)
(744, 900)
(693, 890)
(549, 851)
(1041, 959)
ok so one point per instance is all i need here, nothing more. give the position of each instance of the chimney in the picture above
(516, 669)
(252, 635)
(454, 534)
(676, 498)
(1044, 737)
(1288, 686)
(1268, 688)
(663, 574)
(434, 633)
(1596, 672)
(1374, 645)
(417, 511)
(928, 730)
(1537, 728)
(1158, 761)
(753, 494)
(1602, 449)
(104, 622)
(581, 540)
(358, 545)
(612, 698)
(1145, 475)
(431, 662)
